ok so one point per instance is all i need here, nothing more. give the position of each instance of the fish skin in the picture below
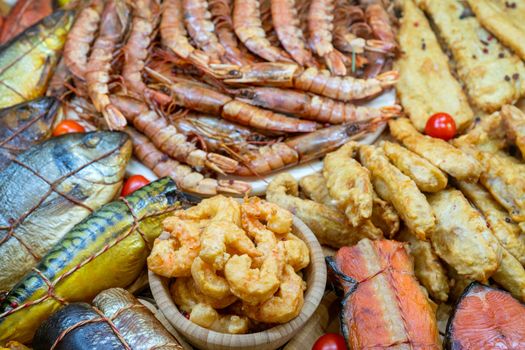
(118, 266)
(27, 61)
(24, 125)
(101, 157)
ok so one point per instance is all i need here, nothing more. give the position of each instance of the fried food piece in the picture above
(314, 187)
(514, 122)
(297, 253)
(506, 231)
(427, 177)
(461, 237)
(428, 268)
(504, 19)
(348, 182)
(186, 295)
(395, 187)
(426, 85)
(446, 157)
(214, 208)
(328, 224)
(207, 317)
(488, 135)
(493, 75)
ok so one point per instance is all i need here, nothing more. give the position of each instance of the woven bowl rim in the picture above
(317, 275)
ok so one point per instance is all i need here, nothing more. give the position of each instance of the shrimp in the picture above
(136, 52)
(207, 317)
(168, 139)
(312, 80)
(80, 38)
(299, 149)
(185, 178)
(202, 98)
(380, 23)
(285, 305)
(218, 208)
(221, 14)
(313, 107)
(286, 24)
(99, 63)
(314, 187)
(254, 286)
(248, 27)
(297, 253)
(208, 281)
(173, 255)
(201, 29)
(186, 295)
(320, 26)
(255, 211)
(220, 238)
(349, 183)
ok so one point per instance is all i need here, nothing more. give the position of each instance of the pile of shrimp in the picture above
(220, 87)
(234, 265)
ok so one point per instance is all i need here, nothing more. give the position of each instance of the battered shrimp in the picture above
(285, 305)
(314, 187)
(219, 238)
(172, 256)
(186, 295)
(205, 316)
(256, 211)
(349, 184)
(208, 281)
(218, 208)
(80, 37)
(254, 286)
(320, 26)
(248, 27)
(286, 24)
(297, 253)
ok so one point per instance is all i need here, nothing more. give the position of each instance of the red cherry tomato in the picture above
(133, 183)
(441, 126)
(68, 126)
(330, 341)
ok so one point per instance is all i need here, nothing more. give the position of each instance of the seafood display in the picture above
(232, 263)
(119, 321)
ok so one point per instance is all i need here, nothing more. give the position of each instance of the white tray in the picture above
(259, 184)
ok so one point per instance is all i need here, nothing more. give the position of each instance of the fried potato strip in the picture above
(426, 85)
(427, 177)
(440, 153)
(348, 182)
(395, 187)
(493, 75)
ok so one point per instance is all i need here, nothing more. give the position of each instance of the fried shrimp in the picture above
(208, 281)
(254, 286)
(218, 208)
(186, 295)
(258, 211)
(348, 182)
(297, 253)
(172, 256)
(285, 305)
(206, 316)
(314, 187)
(221, 237)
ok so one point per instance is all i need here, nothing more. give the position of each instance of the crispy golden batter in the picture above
(348, 182)
(461, 237)
(395, 187)
(314, 187)
(493, 75)
(440, 153)
(488, 135)
(329, 225)
(427, 266)
(511, 275)
(503, 20)
(514, 122)
(426, 176)
(506, 231)
(426, 85)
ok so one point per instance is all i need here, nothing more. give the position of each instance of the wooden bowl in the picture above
(270, 339)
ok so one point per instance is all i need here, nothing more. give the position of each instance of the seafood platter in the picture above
(262, 174)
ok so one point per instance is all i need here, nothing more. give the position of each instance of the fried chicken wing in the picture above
(493, 75)
(426, 85)
(428, 268)
(461, 237)
(395, 187)
(426, 176)
(504, 19)
(446, 157)
(329, 225)
(514, 122)
(348, 182)
(506, 231)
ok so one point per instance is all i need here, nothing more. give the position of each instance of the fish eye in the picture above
(91, 141)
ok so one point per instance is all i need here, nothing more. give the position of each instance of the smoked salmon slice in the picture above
(383, 305)
(486, 318)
